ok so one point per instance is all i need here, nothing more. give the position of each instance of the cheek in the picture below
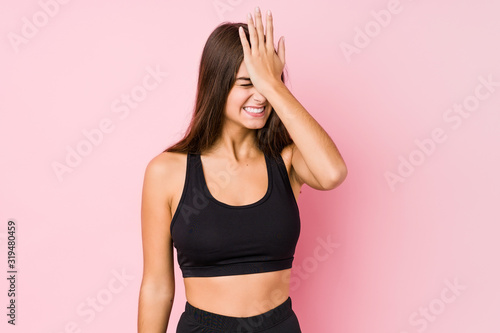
(238, 98)
(234, 104)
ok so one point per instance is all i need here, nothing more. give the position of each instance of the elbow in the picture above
(337, 178)
(165, 291)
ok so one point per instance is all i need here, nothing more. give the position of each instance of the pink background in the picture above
(399, 248)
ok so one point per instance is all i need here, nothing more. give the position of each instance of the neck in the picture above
(236, 144)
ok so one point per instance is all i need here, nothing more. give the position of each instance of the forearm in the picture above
(154, 310)
(317, 148)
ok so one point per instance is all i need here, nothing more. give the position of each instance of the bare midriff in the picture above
(239, 295)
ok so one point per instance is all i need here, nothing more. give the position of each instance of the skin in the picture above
(312, 159)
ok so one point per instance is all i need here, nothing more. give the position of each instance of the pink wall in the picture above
(401, 86)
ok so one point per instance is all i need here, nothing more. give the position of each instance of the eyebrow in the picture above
(243, 78)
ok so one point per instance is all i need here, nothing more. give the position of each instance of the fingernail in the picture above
(257, 9)
(269, 12)
(249, 15)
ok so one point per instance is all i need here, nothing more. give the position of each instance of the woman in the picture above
(225, 195)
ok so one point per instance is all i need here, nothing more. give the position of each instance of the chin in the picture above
(254, 127)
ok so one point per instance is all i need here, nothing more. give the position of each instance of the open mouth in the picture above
(254, 112)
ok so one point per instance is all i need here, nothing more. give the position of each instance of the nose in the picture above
(258, 98)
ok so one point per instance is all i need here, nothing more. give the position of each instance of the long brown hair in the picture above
(220, 62)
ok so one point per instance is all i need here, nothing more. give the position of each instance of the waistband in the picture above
(255, 323)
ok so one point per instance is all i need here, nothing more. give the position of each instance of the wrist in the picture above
(273, 87)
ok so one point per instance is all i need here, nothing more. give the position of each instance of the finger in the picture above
(244, 41)
(260, 27)
(253, 34)
(269, 32)
(281, 50)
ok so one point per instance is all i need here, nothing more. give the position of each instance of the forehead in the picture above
(242, 71)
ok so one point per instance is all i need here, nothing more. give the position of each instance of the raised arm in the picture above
(316, 160)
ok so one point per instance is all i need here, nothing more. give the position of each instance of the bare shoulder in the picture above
(167, 162)
(166, 170)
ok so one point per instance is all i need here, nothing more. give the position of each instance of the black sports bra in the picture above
(214, 239)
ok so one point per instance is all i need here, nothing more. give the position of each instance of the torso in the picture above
(234, 295)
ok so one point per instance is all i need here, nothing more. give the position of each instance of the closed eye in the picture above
(247, 85)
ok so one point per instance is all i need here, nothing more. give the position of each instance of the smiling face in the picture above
(242, 95)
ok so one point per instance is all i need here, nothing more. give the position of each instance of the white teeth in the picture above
(253, 110)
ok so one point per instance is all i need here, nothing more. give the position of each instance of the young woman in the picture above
(226, 194)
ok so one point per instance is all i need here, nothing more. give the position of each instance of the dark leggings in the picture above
(280, 319)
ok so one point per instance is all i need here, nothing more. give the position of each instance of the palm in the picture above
(263, 63)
